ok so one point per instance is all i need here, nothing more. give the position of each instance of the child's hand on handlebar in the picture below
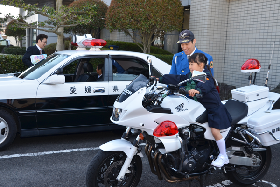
(192, 92)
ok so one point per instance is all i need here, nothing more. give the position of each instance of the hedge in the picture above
(127, 46)
(165, 58)
(51, 48)
(11, 64)
(124, 46)
(1, 48)
(14, 50)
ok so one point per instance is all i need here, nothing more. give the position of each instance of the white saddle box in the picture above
(266, 126)
(250, 93)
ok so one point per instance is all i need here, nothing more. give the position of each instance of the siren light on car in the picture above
(94, 42)
(251, 65)
(86, 41)
(166, 128)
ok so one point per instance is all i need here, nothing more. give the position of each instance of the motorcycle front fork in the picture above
(129, 156)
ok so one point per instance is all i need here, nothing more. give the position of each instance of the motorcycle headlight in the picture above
(116, 113)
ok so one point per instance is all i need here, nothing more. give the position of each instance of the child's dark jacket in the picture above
(218, 116)
(211, 98)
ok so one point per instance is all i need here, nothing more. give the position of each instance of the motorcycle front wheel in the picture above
(105, 167)
(246, 175)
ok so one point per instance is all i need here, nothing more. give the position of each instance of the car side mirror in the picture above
(55, 79)
(59, 71)
(199, 76)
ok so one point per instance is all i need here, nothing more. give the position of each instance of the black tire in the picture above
(251, 174)
(105, 166)
(8, 129)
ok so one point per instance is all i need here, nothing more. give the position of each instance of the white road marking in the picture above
(262, 181)
(49, 152)
(228, 182)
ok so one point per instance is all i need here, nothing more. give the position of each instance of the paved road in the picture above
(61, 161)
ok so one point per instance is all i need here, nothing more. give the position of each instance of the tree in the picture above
(16, 32)
(98, 20)
(57, 19)
(145, 16)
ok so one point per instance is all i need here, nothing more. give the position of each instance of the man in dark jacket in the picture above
(99, 71)
(41, 42)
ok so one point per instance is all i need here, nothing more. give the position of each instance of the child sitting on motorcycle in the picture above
(218, 116)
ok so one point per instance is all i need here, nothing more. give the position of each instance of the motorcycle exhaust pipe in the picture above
(148, 150)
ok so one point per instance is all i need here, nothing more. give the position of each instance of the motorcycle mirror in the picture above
(199, 76)
(149, 60)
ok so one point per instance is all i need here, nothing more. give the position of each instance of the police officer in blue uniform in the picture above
(180, 62)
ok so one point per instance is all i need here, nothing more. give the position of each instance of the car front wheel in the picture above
(7, 129)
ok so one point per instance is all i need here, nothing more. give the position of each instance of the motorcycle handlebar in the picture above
(153, 81)
(199, 96)
(185, 92)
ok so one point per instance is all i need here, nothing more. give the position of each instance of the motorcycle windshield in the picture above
(138, 83)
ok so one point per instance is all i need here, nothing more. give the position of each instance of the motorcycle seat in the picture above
(236, 109)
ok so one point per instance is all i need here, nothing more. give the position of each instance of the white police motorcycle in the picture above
(178, 141)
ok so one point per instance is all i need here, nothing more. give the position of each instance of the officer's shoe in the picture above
(220, 161)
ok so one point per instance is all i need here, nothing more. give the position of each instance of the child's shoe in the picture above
(220, 161)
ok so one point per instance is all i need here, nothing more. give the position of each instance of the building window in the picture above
(33, 36)
(186, 19)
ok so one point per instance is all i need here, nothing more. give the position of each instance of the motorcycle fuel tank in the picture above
(186, 108)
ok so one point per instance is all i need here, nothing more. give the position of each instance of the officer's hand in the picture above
(152, 80)
(183, 91)
(155, 78)
(192, 92)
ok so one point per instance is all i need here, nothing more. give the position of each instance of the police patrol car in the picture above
(62, 94)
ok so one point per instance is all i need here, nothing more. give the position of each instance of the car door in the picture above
(77, 105)
(124, 70)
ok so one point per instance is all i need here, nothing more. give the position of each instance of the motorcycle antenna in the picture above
(266, 80)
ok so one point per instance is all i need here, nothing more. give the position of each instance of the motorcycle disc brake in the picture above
(111, 174)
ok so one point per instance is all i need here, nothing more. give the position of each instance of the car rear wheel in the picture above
(8, 129)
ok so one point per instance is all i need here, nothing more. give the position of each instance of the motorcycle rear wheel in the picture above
(246, 175)
(105, 167)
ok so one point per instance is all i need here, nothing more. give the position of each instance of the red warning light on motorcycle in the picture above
(166, 128)
(251, 65)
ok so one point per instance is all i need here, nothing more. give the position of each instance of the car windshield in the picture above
(140, 82)
(36, 71)
(3, 42)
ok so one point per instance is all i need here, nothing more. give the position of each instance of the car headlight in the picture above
(116, 113)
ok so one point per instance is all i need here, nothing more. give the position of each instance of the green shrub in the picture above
(11, 64)
(51, 48)
(1, 48)
(165, 58)
(14, 50)
(127, 46)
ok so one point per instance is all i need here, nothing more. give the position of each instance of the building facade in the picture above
(233, 31)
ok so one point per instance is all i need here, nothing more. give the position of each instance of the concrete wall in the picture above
(253, 27)
(208, 20)
(233, 31)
